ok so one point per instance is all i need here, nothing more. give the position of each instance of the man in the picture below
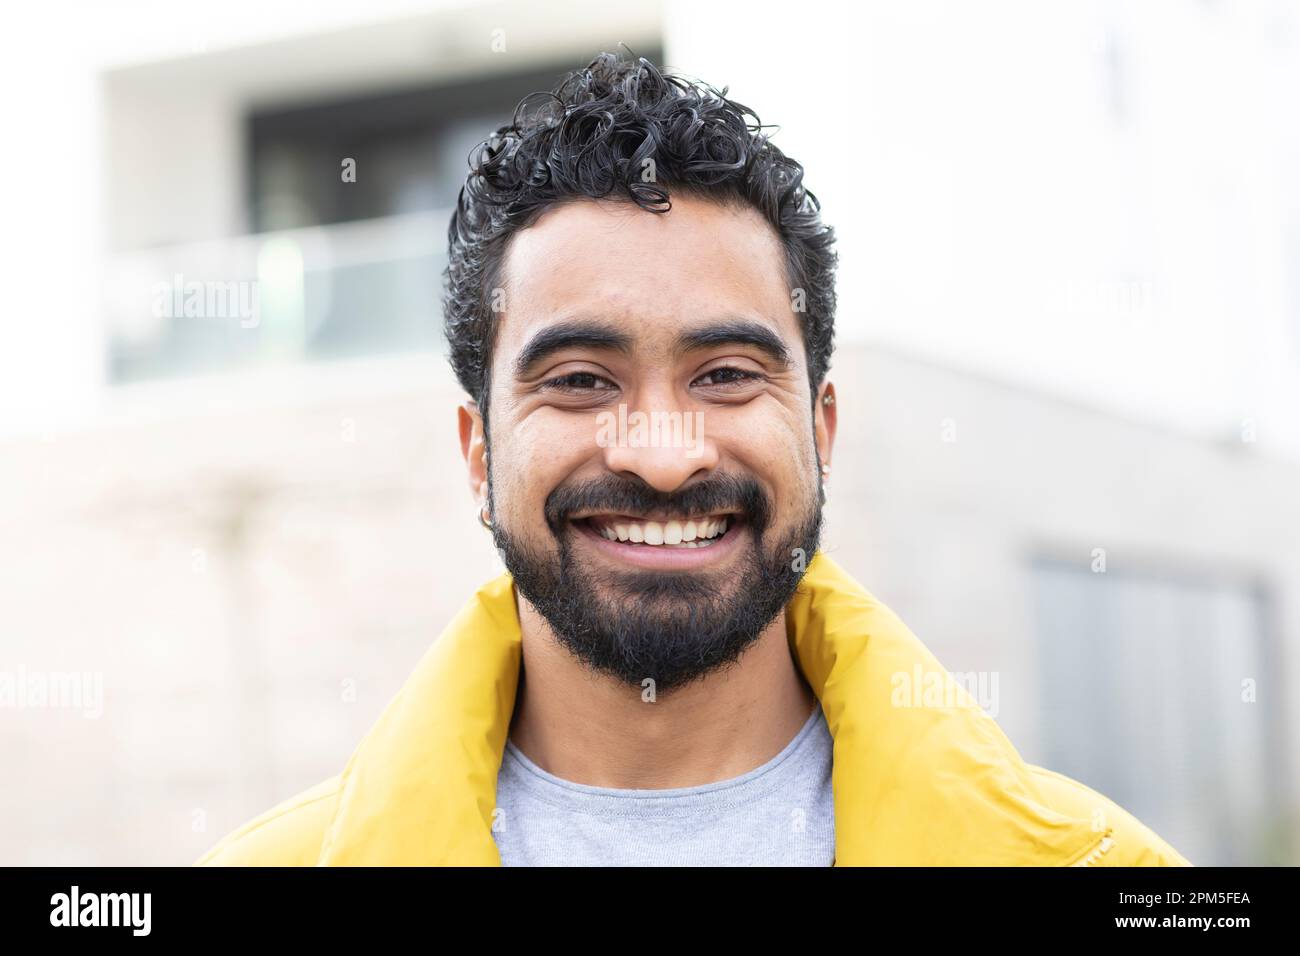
(640, 306)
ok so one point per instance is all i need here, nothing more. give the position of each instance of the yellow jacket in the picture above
(913, 786)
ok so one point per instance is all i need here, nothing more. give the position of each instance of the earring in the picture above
(828, 399)
(826, 469)
(485, 522)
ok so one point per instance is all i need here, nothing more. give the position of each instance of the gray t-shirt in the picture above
(779, 814)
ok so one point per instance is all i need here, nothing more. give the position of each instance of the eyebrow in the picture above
(593, 334)
(574, 334)
(736, 332)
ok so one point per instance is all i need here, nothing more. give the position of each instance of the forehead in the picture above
(655, 273)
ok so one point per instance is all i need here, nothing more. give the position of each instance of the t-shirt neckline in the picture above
(749, 785)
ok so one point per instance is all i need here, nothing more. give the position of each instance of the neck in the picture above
(595, 730)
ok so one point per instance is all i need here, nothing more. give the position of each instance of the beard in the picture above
(669, 627)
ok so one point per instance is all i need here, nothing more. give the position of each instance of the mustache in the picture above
(617, 494)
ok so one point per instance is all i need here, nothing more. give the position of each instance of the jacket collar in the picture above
(913, 785)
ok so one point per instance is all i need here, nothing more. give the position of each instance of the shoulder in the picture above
(288, 834)
(1131, 843)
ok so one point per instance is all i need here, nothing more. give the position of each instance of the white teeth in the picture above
(695, 533)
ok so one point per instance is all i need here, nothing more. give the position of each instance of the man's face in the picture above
(654, 469)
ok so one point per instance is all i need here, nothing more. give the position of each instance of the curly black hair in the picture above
(590, 138)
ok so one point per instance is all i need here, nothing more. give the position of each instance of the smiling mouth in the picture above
(686, 533)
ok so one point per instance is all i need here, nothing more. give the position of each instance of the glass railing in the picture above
(347, 290)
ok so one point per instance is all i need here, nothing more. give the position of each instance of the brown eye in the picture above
(728, 375)
(578, 382)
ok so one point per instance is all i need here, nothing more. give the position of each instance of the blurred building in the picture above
(1069, 378)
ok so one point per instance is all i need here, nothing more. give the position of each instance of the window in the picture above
(1156, 691)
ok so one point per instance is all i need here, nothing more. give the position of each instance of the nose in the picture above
(664, 448)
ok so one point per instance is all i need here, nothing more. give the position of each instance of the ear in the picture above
(825, 417)
(473, 446)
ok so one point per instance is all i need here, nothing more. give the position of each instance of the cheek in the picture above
(536, 457)
(777, 451)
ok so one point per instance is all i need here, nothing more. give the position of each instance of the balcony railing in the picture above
(351, 289)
